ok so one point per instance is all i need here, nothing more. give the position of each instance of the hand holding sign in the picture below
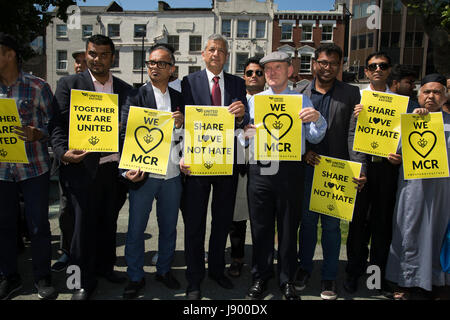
(74, 156)
(28, 133)
(309, 115)
(178, 117)
(357, 110)
(135, 175)
(312, 158)
(184, 168)
(237, 108)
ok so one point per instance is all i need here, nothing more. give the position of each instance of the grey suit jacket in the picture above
(341, 123)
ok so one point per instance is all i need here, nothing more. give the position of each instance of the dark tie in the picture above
(216, 94)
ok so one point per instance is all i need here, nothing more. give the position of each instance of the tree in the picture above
(27, 19)
(435, 17)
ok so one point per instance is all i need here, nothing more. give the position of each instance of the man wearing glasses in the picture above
(335, 100)
(95, 193)
(145, 187)
(372, 219)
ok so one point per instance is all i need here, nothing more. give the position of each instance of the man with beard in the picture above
(335, 100)
(91, 179)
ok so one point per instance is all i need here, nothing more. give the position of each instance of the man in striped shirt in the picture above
(33, 98)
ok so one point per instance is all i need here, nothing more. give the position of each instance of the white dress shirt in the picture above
(210, 76)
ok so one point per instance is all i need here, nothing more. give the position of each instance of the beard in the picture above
(255, 88)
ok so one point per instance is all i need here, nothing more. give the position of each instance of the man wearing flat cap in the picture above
(33, 98)
(79, 64)
(276, 188)
(421, 214)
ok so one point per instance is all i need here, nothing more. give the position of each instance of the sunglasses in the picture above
(249, 73)
(383, 66)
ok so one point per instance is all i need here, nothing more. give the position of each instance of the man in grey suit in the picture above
(335, 100)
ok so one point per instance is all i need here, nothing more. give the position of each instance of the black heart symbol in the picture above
(205, 138)
(148, 132)
(330, 185)
(376, 120)
(412, 144)
(278, 118)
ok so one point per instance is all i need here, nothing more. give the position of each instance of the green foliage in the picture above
(27, 19)
(435, 13)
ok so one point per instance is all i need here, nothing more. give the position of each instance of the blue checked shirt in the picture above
(33, 99)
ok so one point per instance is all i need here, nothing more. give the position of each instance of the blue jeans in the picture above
(35, 195)
(331, 235)
(168, 195)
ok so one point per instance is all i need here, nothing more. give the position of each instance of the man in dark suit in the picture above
(146, 187)
(335, 100)
(90, 179)
(211, 86)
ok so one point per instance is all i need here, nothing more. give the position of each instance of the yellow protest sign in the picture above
(378, 127)
(148, 139)
(278, 127)
(209, 140)
(424, 149)
(94, 121)
(12, 149)
(333, 191)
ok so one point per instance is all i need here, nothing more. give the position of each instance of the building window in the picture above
(113, 30)
(242, 30)
(116, 59)
(226, 66)
(307, 33)
(241, 58)
(86, 30)
(305, 64)
(138, 59)
(226, 28)
(370, 40)
(61, 31)
(140, 30)
(195, 43)
(409, 39)
(385, 39)
(260, 29)
(354, 44)
(327, 32)
(174, 42)
(418, 40)
(61, 60)
(286, 31)
(362, 41)
(355, 12)
(395, 39)
(193, 69)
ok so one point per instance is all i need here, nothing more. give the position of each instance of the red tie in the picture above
(216, 95)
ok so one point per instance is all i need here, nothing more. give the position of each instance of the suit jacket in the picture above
(59, 126)
(195, 89)
(341, 123)
(144, 97)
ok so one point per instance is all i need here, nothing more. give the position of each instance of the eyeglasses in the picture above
(249, 73)
(159, 64)
(102, 55)
(325, 63)
(374, 66)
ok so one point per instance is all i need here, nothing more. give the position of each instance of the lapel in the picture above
(227, 85)
(86, 76)
(203, 89)
(333, 103)
(149, 101)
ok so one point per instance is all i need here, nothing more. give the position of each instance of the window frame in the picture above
(59, 61)
(191, 37)
(240, 35)
(60, 35)
(228, 35)
(113, 36)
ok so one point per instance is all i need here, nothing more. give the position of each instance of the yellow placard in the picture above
(94, 121)
(333, 191)
(424, 149)
(378, 127)
(278, 127)
(12, 149)
(148, 138)
(209, 140)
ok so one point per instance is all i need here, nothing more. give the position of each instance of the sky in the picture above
(153, 4)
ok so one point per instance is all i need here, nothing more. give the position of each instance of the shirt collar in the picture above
(386, 91)
(109, 81)
(157, 90)
(285, 91)
(211, 75)
(313, 87)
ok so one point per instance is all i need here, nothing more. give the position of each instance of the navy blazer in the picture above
(59, 125)
(195, 89)
(144, 97)
(341, 123)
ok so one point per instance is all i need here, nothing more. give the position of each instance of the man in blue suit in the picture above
(144, 187)
(208, 87)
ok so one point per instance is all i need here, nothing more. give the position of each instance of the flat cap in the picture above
(9, 41)
(276, 56)
(77, 52)
(434, 77)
